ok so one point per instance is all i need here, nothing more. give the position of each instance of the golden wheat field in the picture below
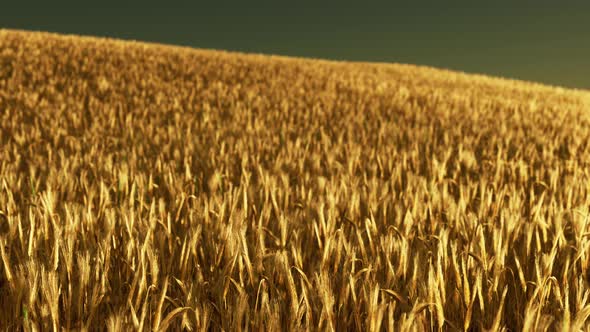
(152, 187)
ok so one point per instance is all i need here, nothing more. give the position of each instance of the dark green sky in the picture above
(532, 40)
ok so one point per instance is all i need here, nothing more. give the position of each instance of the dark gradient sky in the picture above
(540, 41)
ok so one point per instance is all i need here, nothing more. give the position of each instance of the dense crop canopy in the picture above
(146, 186)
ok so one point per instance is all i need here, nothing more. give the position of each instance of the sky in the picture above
(543, 41)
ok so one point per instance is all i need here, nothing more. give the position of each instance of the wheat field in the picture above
(154, 187)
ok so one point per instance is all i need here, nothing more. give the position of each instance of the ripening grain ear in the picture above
(5, 260)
